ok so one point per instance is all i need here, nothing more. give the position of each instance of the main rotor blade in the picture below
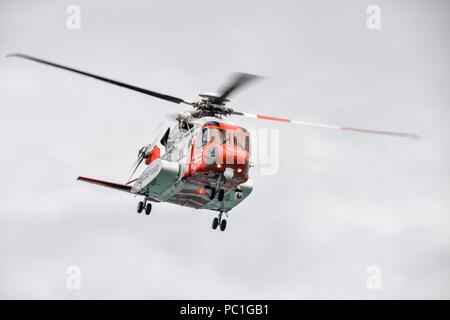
(389, 133)
(239, 79)
(117, 83)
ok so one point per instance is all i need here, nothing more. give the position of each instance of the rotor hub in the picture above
(214, 97)
(206, 108)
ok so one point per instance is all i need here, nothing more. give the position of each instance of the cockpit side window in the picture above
(204, 137)
(165, 137)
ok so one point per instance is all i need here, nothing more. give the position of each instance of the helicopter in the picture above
(206, 162)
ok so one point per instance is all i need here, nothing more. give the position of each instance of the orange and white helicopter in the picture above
(205, 164)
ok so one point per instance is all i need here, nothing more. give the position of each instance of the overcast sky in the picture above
(340, 202)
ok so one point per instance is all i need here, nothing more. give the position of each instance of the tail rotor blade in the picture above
(134, 168)
(144, 150)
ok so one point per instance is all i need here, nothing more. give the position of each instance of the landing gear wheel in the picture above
(140, 206)
(215, 223)
(148, 208)
(221, 195)
(223, 225)
(213, 193)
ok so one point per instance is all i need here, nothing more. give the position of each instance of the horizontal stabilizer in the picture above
(117, 186)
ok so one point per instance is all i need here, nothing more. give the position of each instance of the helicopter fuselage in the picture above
(206, 165)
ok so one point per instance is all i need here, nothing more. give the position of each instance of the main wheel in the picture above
(223, 225)
(140, 206)
(221, 195)
(148, 208)
(213, 193)
(215, 223)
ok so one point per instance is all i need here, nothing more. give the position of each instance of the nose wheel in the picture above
(216, 190)
(213, 193)
(220, 222)
(220, 194)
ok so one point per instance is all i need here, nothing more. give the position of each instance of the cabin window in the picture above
(241, 140)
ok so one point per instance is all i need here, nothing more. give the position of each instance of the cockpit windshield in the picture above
(218, 136)
(221, 136)
(241, 140)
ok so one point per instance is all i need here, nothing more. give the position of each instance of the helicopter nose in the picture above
(233, 159)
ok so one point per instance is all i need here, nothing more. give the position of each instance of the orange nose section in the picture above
(232, 157)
